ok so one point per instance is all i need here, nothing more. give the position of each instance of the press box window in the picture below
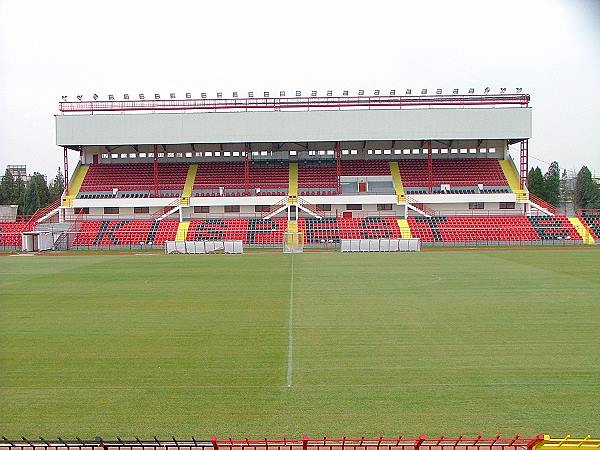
(141, 210)
(323, 207)
(384, 207)
(82, 210)
(201, 209)
(354, 207)
(232, 208)
(476, 205)
(507, 205)
(111, 210)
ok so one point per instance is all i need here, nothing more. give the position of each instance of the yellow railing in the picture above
(568, 443)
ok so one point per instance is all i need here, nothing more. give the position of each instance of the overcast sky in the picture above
(550, 48)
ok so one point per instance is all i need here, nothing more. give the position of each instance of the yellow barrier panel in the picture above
(568, 443)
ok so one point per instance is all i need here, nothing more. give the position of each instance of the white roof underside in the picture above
(511, 123)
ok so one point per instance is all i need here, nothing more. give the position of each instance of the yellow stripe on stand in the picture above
(404, 229)
(75, 184)
(585, 234)
(293, 182)
(397, 179)
(512, 176)
(182, 230)
(189, 184)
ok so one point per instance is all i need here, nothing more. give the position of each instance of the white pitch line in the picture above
(290, 360)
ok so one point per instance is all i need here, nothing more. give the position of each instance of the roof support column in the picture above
(66, 168)
(155, 170)
(429, 168)
(524, 160)
(246, 169)
(338, 167)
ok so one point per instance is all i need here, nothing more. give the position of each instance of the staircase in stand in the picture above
(309, 208)
(420, 208)
(44, 213)
(182, 230)
(404, 229)
(293, 183)
(276, 208)
(75, 184)
(189, 185)
(542, 205)
(397, 179)
(166, 211)
(584, 232)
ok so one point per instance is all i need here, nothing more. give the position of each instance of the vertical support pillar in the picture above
(305, 442)
(213, 439)
(429, 168)
(155, 170)
(338, 167)
(420, 439)
(246, 169)
(524, 160)
(66, 169)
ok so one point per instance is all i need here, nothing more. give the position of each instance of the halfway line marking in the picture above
(290, 328)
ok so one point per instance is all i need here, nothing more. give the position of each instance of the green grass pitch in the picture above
(461, 342)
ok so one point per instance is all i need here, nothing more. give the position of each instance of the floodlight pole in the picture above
(155, 170)
(246, 168)
(338, 167)
(429, 168)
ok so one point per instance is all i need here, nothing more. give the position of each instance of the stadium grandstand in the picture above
(432, 167)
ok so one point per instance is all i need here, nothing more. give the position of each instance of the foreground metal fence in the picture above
(421, 442)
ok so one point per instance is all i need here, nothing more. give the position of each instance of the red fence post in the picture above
(213, 439)
(536, 440)
(305, 442)
(419, 441)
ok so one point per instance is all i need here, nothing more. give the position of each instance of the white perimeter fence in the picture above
(233, 247)
(381, 245)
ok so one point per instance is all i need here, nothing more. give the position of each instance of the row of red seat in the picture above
(250, 231)
(457, 172)
(125, 232)
(315, 175)
(10, 233)
(134, 177)
(491, 228)
(592, 221)
(231, 175)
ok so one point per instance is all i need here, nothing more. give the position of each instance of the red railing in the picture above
(165, 209)
(423, 207)
(367, 102)
(41, 212)
(274, 207)
(543, 203)
(381, 443)
(305, 443)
